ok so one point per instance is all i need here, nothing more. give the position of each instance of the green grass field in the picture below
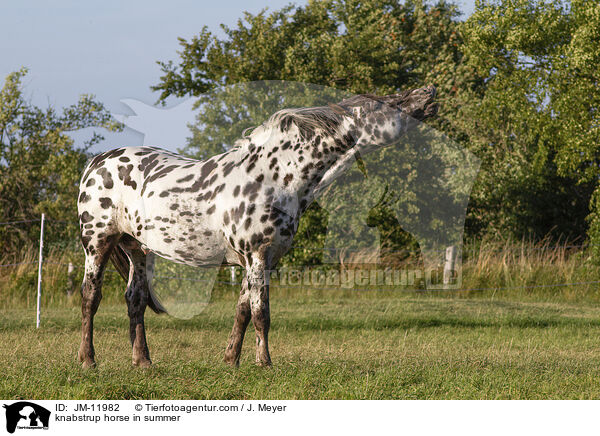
(338, 346)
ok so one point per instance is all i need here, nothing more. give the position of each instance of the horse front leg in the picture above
(242, 318)
(258, 283)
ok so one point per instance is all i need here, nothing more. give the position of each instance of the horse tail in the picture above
(121, 263)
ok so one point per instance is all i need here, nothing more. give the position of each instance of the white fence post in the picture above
(449, 265)
(233, 275)
(39, 287)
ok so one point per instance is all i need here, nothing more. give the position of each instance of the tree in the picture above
(378, 46)
(40, 166)
(536, 127)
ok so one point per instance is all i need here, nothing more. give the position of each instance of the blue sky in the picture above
(107, 48)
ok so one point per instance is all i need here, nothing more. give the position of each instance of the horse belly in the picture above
(189, 242)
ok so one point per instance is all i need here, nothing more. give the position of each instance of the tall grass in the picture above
(18, 283)
(530, 269)
(500, 269)
(514, 269)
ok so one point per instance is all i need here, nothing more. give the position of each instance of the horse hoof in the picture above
(145, 363)
(232, 361)
(88, 364)
(86, 361)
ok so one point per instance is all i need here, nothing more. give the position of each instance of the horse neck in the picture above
(356, 137)
(308, 166)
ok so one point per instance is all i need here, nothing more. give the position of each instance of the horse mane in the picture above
(326, 118)
(308, 120)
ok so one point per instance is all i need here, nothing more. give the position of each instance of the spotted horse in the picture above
(240, 207)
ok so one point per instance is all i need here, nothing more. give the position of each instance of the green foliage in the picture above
(536, 126)
(40, 166)
(379, 46)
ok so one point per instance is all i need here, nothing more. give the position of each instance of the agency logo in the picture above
(26, 415)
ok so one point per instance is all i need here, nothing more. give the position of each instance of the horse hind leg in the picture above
(97, 252)
(138, 296)
(242, 319)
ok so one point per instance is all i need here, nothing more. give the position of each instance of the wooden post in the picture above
(39, 286)
(449, 265)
